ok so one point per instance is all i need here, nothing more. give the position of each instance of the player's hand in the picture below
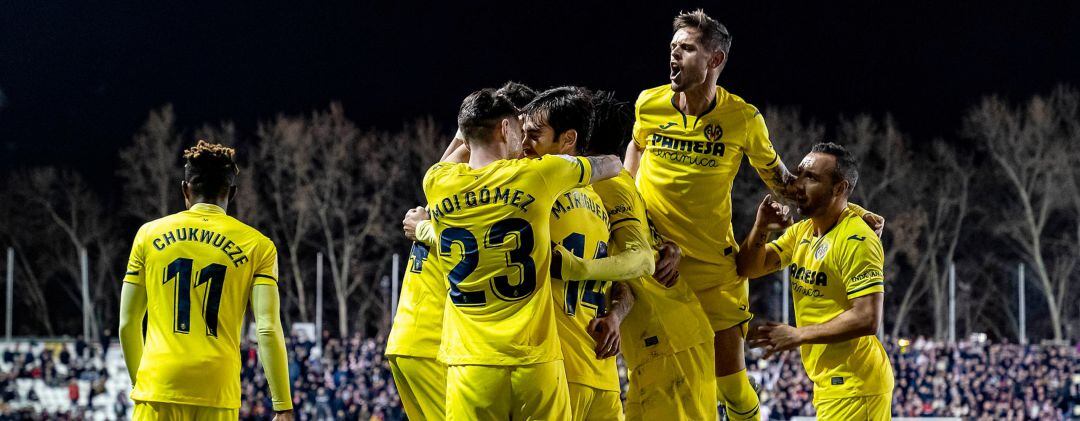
(605, 331)
(667, 265)
(413, 217)
(875, 221)
(283, 415)
(773, 215)
(775, 337)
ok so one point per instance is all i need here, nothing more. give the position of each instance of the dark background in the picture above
(79, 77)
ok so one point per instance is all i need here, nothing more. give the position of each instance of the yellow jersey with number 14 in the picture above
(826, 273)
(580, 223)
(493, 230)
(687, 167)
(198, 268)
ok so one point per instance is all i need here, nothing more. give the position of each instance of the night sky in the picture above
(79, 77)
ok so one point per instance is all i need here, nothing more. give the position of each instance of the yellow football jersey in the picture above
(827, 272)
(494, 241)
(417, 329)
(662, 321)
(687, 168)
(580, 223)
(198, 267)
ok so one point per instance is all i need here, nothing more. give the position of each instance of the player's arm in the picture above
(605, 330)
(604, 167)
(266, 305)
(132, 310)
(417, 226)
(861, 319)
(875, 221)
(634, 261)
(755, 259)
(632, 158)
(457, 143)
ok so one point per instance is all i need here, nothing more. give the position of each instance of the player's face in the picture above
(540, 138)
(689, 60)
(814, 185)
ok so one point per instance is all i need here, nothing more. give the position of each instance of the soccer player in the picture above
(491, 217)
(192, 274)
(689, 138)
(836, 264)
(667, 340)
(557, 122)
(413, 344)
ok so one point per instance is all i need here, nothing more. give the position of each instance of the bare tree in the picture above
(19, 228)
(150, 168)
(1026, 144)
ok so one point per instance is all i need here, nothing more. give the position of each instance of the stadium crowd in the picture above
(974, 379)
(351, 380)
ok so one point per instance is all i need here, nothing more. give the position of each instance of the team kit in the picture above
(561, 229)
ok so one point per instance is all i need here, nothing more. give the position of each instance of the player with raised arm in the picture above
(192, 275)
(491, 217)
(413, 344)
(837, 287)
(689, 138)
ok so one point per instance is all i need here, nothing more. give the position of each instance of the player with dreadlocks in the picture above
(191, 274)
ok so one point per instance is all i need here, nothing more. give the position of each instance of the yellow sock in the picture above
(735, 392)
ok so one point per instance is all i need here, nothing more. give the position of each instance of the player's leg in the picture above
(421, 384)
(679, 386)
(727, 308)
(205, 413)
(591, 404)
(478, 392)
(845, 409)
(163, 411)
(539, 392)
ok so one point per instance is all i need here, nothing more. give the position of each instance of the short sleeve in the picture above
(863, 266)
(759, 149)
(135, 273)
(785, 245)
(639, 128)
(564, 172)
(266, 266)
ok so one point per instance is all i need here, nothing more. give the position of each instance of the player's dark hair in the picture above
(518, 93)
(565, 108)
(613, 125)
(481, 113)
(210, 169)
(714, 35)
(847, 168)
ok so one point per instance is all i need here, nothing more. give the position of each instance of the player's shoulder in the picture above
(619, 184)
(854, 231)
(735, 103)
(654, 95)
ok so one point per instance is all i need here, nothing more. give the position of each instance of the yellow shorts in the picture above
(521, 392)
(726, 305)
(592, 404)
(164, 411)
(421, 384)
(675, 387)
(873, 407)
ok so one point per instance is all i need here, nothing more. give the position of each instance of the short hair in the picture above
(482, 111)
(565, 108)
(847, 168)
(714, 35)
(519, 93)
(210, 169)
(613, 124)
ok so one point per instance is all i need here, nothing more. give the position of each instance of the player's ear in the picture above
(186, 189)
(718, 59)
(568, 141)
(232, 193)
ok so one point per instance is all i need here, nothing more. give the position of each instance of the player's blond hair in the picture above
(714, 35)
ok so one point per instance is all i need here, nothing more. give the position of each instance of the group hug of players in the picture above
(539, 256)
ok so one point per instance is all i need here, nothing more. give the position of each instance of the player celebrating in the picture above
(413, 344)
(491, 217)
(559, 121)
(837, 287)
(192, 274)
(688, 142)
(667, 339)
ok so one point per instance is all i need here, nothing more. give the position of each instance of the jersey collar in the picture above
(207, 208)
(712, 106)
